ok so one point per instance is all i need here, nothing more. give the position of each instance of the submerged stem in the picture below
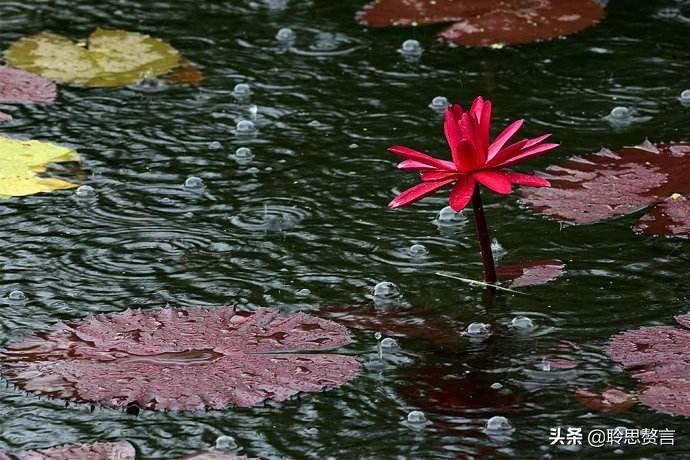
(484, 239)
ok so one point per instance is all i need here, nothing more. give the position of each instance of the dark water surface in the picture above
(308, 212)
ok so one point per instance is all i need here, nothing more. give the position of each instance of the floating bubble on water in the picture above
(245, 127)
(522, 323)
(496, 386)
(411, 48)
(225, 444)
(194, 182)
(386, 290)
(16, 296)
(418, 251)
(498, 425)
(439, 103)
(478, 330)
(315, 123)
(285, 35)
(685, 96)
(243, 155)
(448, 217)
(85, 191)
(303, 293)
(215, 145)
(620, 116)
(389, 342)
(242, 91)
(416, 417)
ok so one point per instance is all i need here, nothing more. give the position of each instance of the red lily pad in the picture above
(605, 185)
(532, 273)
(182, 359)
(610, 401)
(487, 22)
(19, 87)
(121, 450)
(5, 117)
(660, 358)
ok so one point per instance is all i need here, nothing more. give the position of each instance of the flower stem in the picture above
(484, 239)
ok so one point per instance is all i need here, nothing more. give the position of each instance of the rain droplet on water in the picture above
(389, 343)
(303, 293)
(386, 290)
(85, 191)
(498, 425)
(416, 417)
(418, 250)
(522, 323)
(243, 155)
(478, 330)
(496, 386)
(497, 249)
(16, 296)
(545, 365)
(286, 35)
(411, 48)
(685, 96)
(242, 91)
(225, 444)
(245, 127)
(215, 145)
(447, 217)
(194, 182)
(620, 116)
(439, 103)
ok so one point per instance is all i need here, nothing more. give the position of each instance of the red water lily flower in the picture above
(474, 158)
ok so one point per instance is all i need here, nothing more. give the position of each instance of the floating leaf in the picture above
(532, 273)
(181, 359)
(607, 184)
(610, 401)
(185, 74)
(109, 58)
(660, 358)
(121, 450)
(21, 161)
(19, 87)
(487, 22)
(5, 117)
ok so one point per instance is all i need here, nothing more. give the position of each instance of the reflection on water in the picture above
(268, 184)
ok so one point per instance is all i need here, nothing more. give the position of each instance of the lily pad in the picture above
(108, 58)
(121, 450)
(182, 359)
(20, 87)
(659, 357)
(5, 117)
(610, 401)
(609, 184)
(22, 161)
(532, 273)
(487, 22)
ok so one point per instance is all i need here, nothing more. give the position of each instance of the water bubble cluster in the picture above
(411, 48)
(386, 290)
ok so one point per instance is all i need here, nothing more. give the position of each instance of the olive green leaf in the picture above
(109, 58)
(22, 161)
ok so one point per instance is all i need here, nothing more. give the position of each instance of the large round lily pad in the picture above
(22, 161)
(121, 450)
(108, 58)
(612, 184)
(487, 22)
(660, 358)
(181, 359)
(532, 273)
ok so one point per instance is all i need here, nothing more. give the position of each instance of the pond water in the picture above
(300, 223)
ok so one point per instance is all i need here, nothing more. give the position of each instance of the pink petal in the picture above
(411, 165)
(477, 108)
(526, 180)
(485, 125)
(469, 133)
(420, 157)
(527, 154)
(504, 137)
(494, 180)
(536, 140)
(457, 112)
(453, 135)
(418, 192)
(439, 175)
(462, 193)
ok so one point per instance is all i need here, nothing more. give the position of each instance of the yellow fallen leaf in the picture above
(22, 161)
